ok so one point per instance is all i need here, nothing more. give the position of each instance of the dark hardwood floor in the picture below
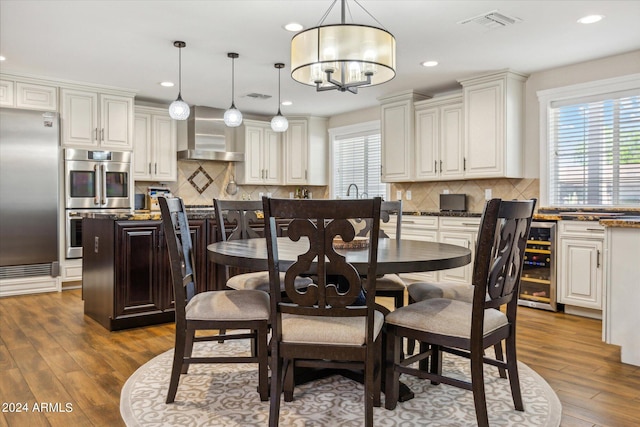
(66, 370)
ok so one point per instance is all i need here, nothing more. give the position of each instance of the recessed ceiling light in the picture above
(287, 103)
(590, 19)
(2, 58)
(293, 27)
(429, 63)
(167, 84)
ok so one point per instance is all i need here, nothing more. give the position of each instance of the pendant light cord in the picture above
(233, 82)
(180, 72)
(279, 69)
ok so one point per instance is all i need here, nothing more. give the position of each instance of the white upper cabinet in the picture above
(305, 152)
(494, 125)
(439, 139)
(397, 131)
(96, 120)
(262, 149)
(7, 93)
(38, 97)
(27, 95)
(155, 145)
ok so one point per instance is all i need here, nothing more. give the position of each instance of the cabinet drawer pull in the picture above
(469, 224)
(598, 259)
(594, 229)
(149, 168)
(102, 135)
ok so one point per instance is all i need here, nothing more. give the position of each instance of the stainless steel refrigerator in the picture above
(29, 163)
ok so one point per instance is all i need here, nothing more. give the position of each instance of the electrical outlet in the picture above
(445, 191)
(487, 194)
(399, 195)
(408, 194)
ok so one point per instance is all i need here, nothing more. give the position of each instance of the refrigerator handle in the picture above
(96, 185)
(103, 175)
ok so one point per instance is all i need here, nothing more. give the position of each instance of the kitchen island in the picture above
(126, 276)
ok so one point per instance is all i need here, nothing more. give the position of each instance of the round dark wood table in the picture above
(394, 256)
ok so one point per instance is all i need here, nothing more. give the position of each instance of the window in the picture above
(593, 149)
(356, 156)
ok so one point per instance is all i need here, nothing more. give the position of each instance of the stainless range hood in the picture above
(207, 137)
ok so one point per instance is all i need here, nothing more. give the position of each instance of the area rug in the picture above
(225, 395)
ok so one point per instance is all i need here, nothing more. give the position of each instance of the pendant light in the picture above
(179, 110)
(233, 116)
(279, 123)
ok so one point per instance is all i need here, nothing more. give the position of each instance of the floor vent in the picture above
(492, 19)
(20, 271)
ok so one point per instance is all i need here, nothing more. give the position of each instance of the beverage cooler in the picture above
(538, 281)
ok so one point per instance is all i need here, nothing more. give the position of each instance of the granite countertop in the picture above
(146, 215)
(443, 213)
(624, 222)
(626, 218)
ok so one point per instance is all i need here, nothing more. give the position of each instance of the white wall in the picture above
(354, 117)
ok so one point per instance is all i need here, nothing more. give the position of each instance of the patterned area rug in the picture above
(225, 395)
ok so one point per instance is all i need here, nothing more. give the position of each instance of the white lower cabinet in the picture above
(451, 230)
(580, 267)
(460, 232)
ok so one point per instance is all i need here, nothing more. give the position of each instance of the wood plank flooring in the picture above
(68, 370)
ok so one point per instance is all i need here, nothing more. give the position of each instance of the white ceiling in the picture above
(129, 44)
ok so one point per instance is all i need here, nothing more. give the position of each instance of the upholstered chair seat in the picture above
(420, 291)
(328, 330)
(445, 317)
(229, 305)
(259, 280)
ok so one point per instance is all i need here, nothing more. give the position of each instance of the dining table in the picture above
(394, 256)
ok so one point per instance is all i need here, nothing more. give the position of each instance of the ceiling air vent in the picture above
(258, 95)
(492, 19)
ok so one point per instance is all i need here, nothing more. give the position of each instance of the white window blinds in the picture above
(356, 160)
(594, 151)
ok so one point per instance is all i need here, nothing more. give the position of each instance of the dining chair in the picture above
(466, 328)
(209, 310)
(320, 327)
(388, 285)
(241, 215)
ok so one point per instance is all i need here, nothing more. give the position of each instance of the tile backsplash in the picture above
(199, 182)
(425, 196)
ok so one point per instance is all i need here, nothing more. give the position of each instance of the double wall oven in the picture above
(95, 181)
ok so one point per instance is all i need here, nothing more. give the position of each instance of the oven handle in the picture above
(96, 198)
(103, 175)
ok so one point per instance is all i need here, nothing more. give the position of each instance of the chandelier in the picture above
(343, 56)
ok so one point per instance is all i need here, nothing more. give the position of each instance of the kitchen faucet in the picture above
(349, 189)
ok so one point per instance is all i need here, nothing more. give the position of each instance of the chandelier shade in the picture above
(233, 116)
(179, 110)
(343, 56)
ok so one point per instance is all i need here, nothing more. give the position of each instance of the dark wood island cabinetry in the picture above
(126, 278)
